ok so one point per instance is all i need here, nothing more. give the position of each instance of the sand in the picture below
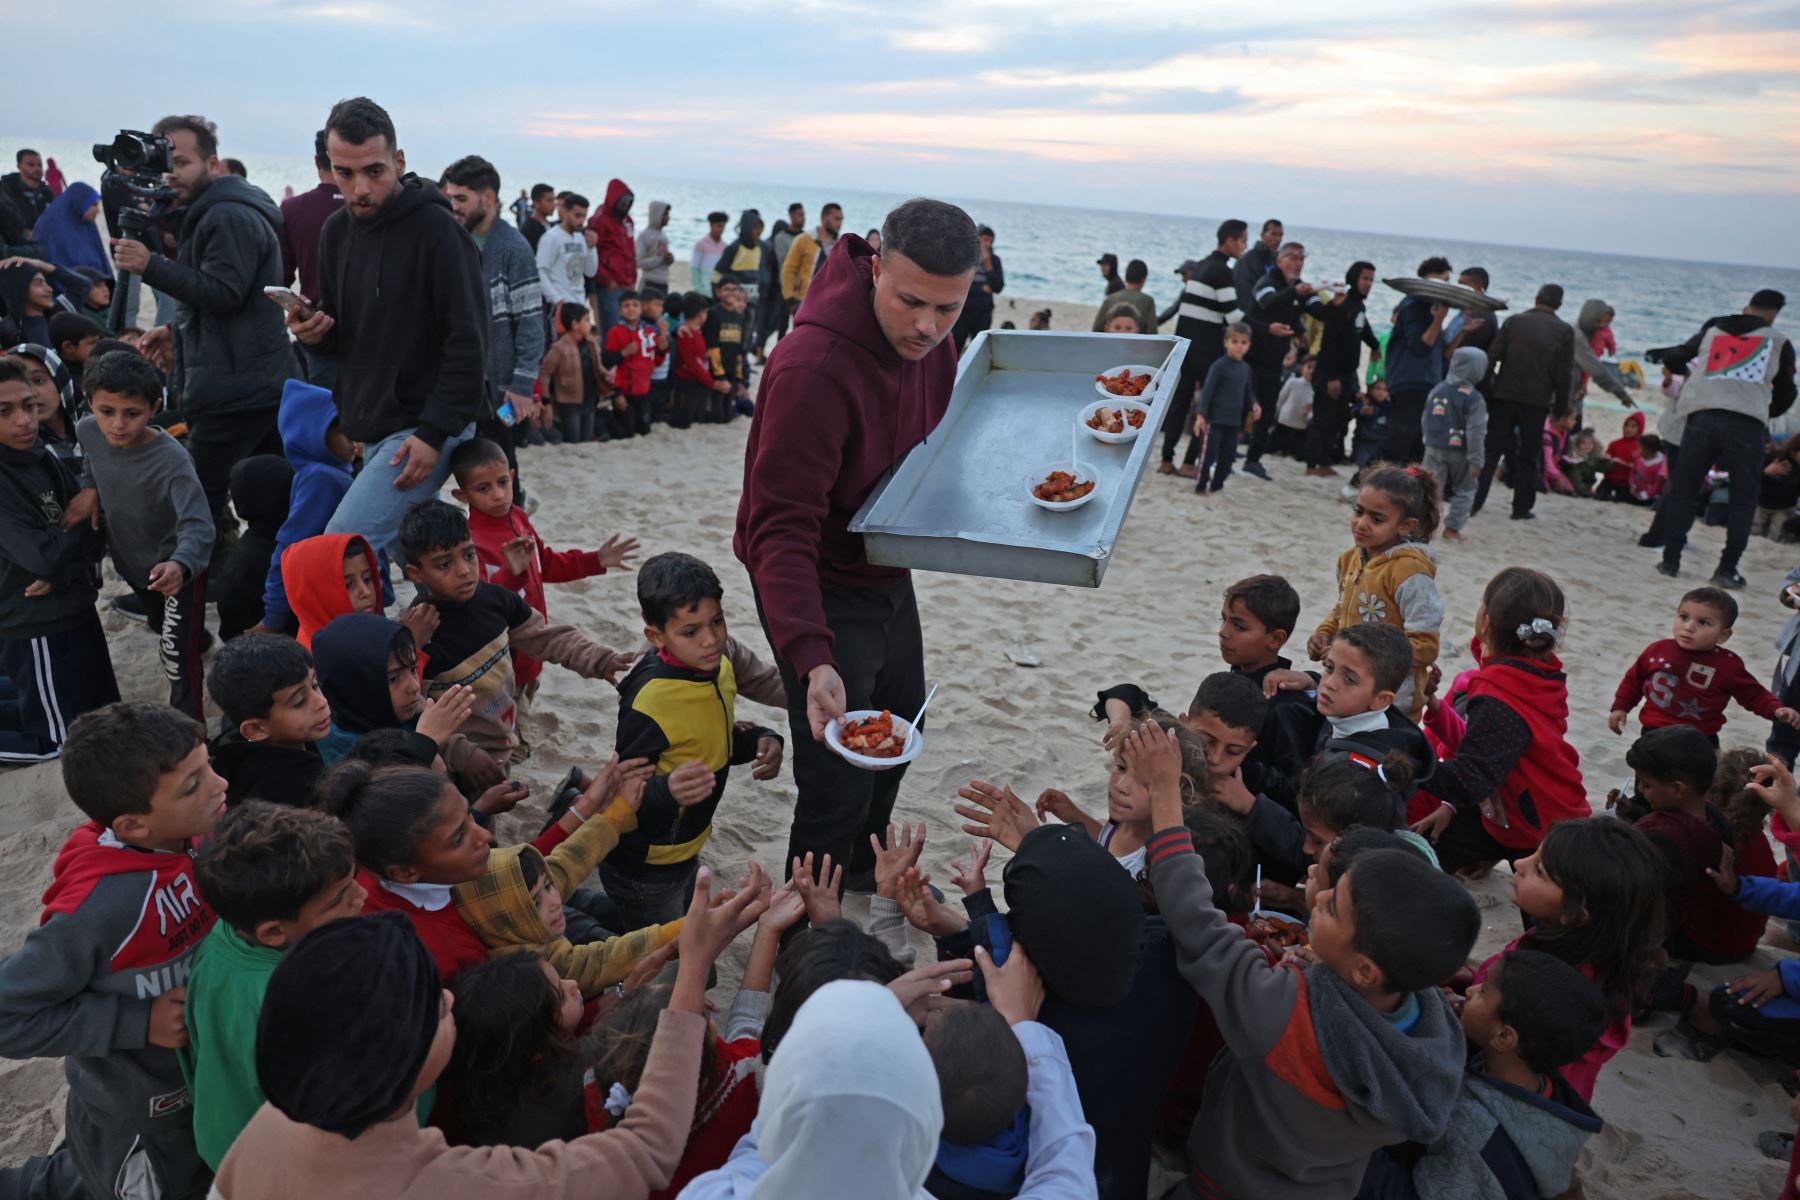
(1674, 1129)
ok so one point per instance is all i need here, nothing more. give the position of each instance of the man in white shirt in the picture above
(566, 255)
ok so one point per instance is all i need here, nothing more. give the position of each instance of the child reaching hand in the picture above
(1390, 574)
(1127, 829)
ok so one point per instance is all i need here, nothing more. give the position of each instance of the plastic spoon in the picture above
(1257, 910)
(914, 727)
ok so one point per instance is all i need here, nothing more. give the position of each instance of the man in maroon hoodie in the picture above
(615, 242)
(863, 378)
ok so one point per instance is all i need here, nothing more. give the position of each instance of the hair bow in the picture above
(1536, 625)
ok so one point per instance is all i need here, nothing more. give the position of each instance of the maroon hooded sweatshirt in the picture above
(836, 410)
(616, 241)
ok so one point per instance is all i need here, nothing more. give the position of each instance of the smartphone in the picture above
(507, 413)
(292, 302)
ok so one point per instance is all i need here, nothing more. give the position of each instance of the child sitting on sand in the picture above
(1621, 456)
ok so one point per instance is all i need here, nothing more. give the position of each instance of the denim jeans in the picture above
(607, 299)
(650, 895)
(373, 507)
(577, 422)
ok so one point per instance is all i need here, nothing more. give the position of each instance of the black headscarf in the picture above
(347, 1022)
(351, 656)
(1076, 912)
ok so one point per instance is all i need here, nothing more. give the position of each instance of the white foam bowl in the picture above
(1082, 472)
(1135, 369)
(834, 731)
(1124, 405)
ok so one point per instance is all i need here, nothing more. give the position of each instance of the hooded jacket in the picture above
(1534, 360)
(67, 239)
(320, 480)
(652, 244)
(35, 488)
(312, 571)
(1397, 587)
(1625, 451)
(69, 401)
(16, 325)
(1505, 1142)
(1303, 1054)
(837, 408)
(745, 260)
(1455, 412)
(350, 655)
(120, 927)
(617, 240)
(411, 335)
(27, 203)
(1746, 366)
(499, 907)
(1346, 331)
(1545, 785)
(231, 344)
(262, 771)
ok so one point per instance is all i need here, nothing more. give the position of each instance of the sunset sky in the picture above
(1650, 127)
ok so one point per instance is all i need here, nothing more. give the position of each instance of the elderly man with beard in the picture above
(400, 306)
(231, 354)
(515, 302)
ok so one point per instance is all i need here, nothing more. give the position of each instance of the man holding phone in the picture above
(401, 307)
(231, 354)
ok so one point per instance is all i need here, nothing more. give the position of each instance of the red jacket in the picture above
(1683, 688)
(1715, 925)
(312, 572)
(633, 374)
(837, 408)
(1626, 450)
(547, 566)
(691, 362)
(617, 244)
(1545, 786)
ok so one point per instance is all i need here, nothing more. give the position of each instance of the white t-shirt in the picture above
(1133, 862)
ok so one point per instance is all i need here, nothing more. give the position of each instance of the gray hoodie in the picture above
(1456, 414)
(1503, 1141)
(652, 244)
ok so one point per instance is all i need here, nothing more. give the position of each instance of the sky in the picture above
(1655, 127)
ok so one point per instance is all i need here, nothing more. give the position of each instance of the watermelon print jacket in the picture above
(1737, 364)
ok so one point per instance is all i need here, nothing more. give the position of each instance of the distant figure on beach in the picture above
(537, 214)
(1532, 361)
(706, 253)
(1209, 303)
(302, 217)
(1256, 260)
(873, 237)
(1415, 365)
(1137, 273)
(1280, 301)
(1109, 271)
(990, 279)
(1338, 372)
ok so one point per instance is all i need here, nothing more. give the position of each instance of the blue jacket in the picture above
(1410, 362)
(320, 480)
(1759, 893)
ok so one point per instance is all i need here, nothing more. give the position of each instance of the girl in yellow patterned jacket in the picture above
(1390, 574)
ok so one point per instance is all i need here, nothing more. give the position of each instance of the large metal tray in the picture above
(958, 501)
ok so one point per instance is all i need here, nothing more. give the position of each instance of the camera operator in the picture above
(231, 351)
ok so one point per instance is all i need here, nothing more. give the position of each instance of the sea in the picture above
(1049, 250)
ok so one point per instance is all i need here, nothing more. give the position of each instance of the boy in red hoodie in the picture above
(694, 383)
(1622, 453)
(1689, 678)
(337, 573)
(101, 981)
(511, 552)
(635, 348)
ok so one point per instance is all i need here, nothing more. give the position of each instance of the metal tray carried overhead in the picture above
(958, 502)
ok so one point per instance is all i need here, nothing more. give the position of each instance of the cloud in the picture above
(965, 39)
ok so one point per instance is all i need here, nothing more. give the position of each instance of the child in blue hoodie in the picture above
(321, 454)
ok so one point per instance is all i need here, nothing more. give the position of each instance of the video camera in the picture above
(135, 162)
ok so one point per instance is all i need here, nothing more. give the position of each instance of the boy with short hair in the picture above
(271, 874)
(1518, 1126)
(1294, 409)
(159, 527)
(74, 337)
(656, 404)
(694, 384)
(1358, 1051)
(100, 980)
(728, 350)
(1227, 403)
(52, 645)
(512, 552)
(1455, 429)
(634, 347)
(1688, 679)
(274, 713)
(677, 709)
(477, 621)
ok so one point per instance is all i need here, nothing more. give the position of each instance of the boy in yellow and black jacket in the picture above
(677, 708)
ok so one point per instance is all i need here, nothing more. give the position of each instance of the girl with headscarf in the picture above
(68, 233)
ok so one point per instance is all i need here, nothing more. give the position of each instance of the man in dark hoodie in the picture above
(864, 377)
(615, 243)
(1339, 369)
(402, 307)
(1274, 311)
(231, 352)
(747, 263)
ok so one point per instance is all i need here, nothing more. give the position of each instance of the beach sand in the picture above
(1674, 1129)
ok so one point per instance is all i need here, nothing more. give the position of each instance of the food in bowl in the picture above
(873, 737)
(1114, 420)
(1062, 487)
(1275, 933)
(1124, 383)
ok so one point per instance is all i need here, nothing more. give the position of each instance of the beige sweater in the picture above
(275, 1158)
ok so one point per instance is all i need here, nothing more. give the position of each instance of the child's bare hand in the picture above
(445, 715)
(1725, 878)
(1115, 733)
(970, 874)
(922, 908)
(168, 1019)
(1432, 826)
(616, 552)
(167, 577)
(422, 620)
(767, 763)
(1316, 645)
(1279, 681)
(616, 666)
(785, 910)
(84, 506)
(614, 778)
(1153, 758)
(518, 553)
(1015, 991)
(1615, 720)
(995, 813)
(1232, 793)
(502, 797)
(1772, 783)
(692, 783)
(1788, 716)
(820, 893)
(38, 587)
(891, 860)
(1757, 988)
(1278, 895)
(916, 987)
(712, 924)
(1057, 804)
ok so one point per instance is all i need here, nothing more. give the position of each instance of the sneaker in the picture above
(1453, 535)
(1165, 468)
(1685, 1041)
(1728, 579)
(1668, 568)
(1257, 469)
(1349, 492)
(127, 605)
(1187, 470)
(1650, 541)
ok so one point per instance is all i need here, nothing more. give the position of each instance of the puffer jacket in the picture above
(499, 907)
(232, 352)
(1397, 587)
(559, 375)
